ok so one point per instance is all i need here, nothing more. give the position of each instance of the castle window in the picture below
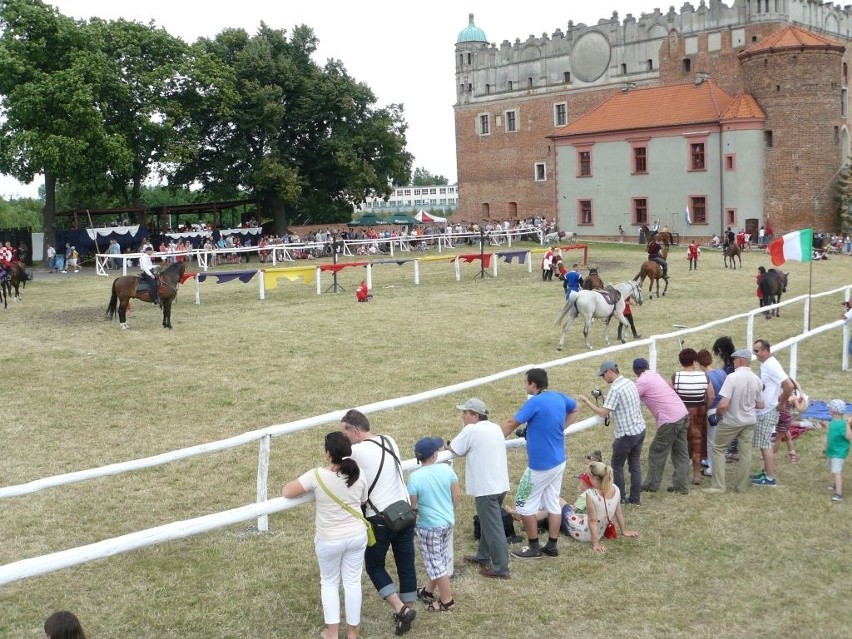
(470, 88)
(487, 89)
(461, 58)
(486, 210)
(510, 85)
(566, 77)
(623, 68)
(540, 172)
(529, 83)
(584, 164)
(845, 70)
(696, 156)
(837, 135)
(640, 159)
(468, 58)
(687, 65)
(484, 124)
(777, 88)
(560, 114)
(844, 102)
(584, 212)
(513, 210)
(511, 121)
(730, 162)
(767, 139)
(640, 210)
(698, 208)
(730, 217)
(650, 65)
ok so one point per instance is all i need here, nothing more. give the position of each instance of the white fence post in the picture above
(806, 315)
(369, 276)
(652, 354)
(529, 261)
(750, 330)
(416, 272)
(197, 290)
(794, 359)
(319, 282)
(262, 284)
(262, 477)
(458, 269)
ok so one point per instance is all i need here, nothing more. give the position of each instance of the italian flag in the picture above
(797, 246)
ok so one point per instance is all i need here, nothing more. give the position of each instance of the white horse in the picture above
(591, 304)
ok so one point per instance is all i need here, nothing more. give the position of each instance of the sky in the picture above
(403, 52)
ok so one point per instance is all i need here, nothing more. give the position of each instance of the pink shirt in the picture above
(660, 398)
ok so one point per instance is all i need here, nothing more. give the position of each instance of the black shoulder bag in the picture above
(399, 515)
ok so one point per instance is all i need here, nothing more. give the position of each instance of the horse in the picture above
(591, 304)
(129, 286)
(4, 288)
(772, 285)
(654, 273)
(18, 278)
(732, 251)
(593, 281)
(665, 238)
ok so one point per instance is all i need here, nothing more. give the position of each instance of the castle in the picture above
(709, 117)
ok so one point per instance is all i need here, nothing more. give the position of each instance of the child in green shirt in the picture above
(837, 440)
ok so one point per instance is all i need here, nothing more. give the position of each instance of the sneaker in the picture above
(550, 552)
(759, 476)
(527, 553)
(837, 498)
(765, 481)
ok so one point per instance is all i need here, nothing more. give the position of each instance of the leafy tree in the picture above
(21, 213)
(260, 117)
(843, 198)
(422, 177)
(50, 81)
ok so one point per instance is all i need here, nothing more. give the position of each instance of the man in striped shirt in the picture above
(622, 402)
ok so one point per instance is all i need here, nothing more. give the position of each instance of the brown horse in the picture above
(18, 278)
(129, 286)
(732, 251)
(772, 284)
(663, 237)
(593, 281)
(5, 288)
(654, 273)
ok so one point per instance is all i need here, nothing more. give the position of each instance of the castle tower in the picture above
(797, 78)
(471, 40)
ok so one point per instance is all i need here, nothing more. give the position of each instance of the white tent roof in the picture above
(423, 216)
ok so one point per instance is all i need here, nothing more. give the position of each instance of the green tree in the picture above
(260, 117)
(422, 177)
(21, 213)
(843, 198)
(50, 81)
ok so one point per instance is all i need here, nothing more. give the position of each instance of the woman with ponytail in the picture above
(603, 505)
(341, 537)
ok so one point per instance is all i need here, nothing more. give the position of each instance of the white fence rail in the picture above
(264, 507)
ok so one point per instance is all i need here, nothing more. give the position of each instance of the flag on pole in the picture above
(686, 217)
(797, 246)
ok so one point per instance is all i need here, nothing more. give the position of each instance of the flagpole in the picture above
(810, 276)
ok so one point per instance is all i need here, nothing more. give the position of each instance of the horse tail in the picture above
(112, 309)
(572, 301)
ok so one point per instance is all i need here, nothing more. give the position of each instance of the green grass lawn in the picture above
(81, 393)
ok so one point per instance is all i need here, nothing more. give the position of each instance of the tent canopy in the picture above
(368, 219)
(402, 218)
(424, 216)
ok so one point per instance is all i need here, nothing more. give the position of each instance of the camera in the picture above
(713, 419)
(596, 393)
(522, 432)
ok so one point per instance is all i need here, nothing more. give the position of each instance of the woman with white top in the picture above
(603, 505)
(341, 537)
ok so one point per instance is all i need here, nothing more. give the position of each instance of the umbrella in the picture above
(402, 218)
(423, 216)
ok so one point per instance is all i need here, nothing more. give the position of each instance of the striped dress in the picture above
(691, 387)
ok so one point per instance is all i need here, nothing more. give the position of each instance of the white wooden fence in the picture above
(264, 507)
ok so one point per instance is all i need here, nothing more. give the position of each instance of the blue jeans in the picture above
(402, 546)
(628, 448)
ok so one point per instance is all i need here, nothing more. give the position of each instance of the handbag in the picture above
(371, 532)
(399, 515)
(609, 531)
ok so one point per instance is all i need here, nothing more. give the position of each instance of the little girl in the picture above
(837, 440)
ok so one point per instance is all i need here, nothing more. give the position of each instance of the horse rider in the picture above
(730, 237)
(147, 273)
(6, 256)
(654, 249)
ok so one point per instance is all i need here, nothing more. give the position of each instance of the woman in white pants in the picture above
(340, 537)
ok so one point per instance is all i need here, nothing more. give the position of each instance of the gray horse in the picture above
(591, 304)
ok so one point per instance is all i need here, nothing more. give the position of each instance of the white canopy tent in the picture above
(423, 216)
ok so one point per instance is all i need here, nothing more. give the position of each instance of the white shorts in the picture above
(539, 490)
(835, 465)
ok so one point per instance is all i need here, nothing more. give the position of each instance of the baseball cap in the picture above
(474, 405)
(427, 446)
(837, 406)
(608, 365)
(640, 363)
(149, 248)
(743, 353)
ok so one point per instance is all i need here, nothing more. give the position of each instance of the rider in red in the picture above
(7, 255)
(362, 293)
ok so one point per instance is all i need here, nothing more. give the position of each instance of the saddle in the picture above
(610, 294)
(142, 283)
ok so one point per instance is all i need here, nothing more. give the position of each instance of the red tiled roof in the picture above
(792, 37)
(655, 107)
(744, 107)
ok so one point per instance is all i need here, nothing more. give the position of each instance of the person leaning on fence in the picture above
(378, 456)
(434, 491)
(63, 625)
(742, 396)
(623, 404)
(547, 414)
(482, 444)
(341, 536)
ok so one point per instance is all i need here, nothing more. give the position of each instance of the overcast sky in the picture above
(403, 51)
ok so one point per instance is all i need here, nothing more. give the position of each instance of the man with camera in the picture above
(622, 402)
(378, 458)
(671, 415)
(547, 414)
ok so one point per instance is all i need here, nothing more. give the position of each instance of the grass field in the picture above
(80, 393)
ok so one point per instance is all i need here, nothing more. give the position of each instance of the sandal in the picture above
(440, 606)
(403, 619)
(425, 596)
(794, 458)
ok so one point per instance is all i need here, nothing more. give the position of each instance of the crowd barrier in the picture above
(264, 507)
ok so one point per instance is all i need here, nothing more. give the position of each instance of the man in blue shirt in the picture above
(546, 414)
